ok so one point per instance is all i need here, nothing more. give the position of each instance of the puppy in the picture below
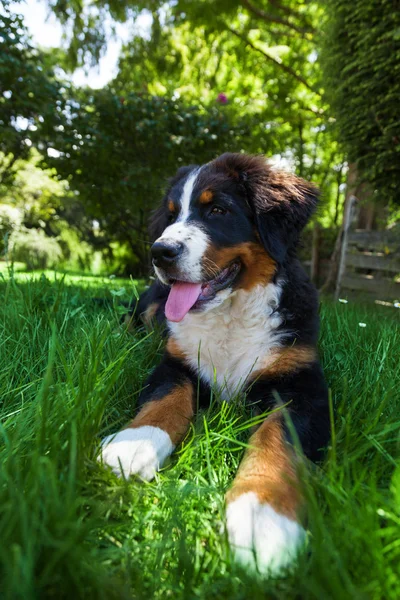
(243, 316)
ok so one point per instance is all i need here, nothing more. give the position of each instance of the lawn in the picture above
(70, 529)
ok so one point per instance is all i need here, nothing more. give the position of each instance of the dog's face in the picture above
(225, 226)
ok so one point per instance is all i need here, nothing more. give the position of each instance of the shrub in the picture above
(34, 248)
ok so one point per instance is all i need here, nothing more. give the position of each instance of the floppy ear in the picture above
(158, 219)
(157, 223)
(281, 203)
(282, 208)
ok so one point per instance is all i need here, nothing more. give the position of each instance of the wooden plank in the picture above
(348, 213)
(375, 239)
(382, 288)
(365, 260)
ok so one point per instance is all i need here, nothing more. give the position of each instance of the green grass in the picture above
(70, 529)
(71, 278)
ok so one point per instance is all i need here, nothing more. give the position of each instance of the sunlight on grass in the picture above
(69, 278)
(70, 529)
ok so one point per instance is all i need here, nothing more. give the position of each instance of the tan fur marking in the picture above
(172, 413)
(268, 470)
(259, 267)
(171, 206)
(174, 349)
(284, 360)
(206, 197)
(129, 322)
(149, 313)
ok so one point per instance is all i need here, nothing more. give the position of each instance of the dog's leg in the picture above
(264, 502)
(168, 407)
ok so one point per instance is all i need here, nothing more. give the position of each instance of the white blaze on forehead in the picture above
(191, 235)
(187, 194)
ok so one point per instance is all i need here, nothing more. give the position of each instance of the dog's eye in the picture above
(217, 210)
(171, 218)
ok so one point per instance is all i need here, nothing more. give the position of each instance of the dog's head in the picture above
(227, 225)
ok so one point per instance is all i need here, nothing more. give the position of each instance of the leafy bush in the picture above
(10, 219)
(34, 248)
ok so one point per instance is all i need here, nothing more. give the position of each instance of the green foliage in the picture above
(264, 62)
(28, 92)
(77, 253)
(34, 248)
(89, 26)
(70, 529)
(41, 219)
(362, 73)
(34, 189)
(10, 219)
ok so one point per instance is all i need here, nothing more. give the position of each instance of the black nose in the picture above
(165, 253)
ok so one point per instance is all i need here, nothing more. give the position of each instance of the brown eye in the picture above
(217, 210)
(171, 218)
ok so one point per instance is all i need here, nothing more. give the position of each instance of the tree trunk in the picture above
(366, 217)
(316, 239)
(339, 182)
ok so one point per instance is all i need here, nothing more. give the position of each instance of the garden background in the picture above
(312, 85)
(315, 86)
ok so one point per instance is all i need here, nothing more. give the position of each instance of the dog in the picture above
(241, 315)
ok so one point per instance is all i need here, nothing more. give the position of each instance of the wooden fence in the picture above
(370, 265)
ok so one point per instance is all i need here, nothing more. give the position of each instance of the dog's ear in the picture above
(282, 207)
(157, 223)
(281, 203)
(159, 217)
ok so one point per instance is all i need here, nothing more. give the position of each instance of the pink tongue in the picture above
(181, 298)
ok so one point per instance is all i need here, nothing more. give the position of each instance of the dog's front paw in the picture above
(260, 538)
(137, 451)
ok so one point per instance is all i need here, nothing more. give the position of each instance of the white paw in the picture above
(260, 538)
(137, 451)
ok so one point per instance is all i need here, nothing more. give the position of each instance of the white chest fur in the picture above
(226, 343)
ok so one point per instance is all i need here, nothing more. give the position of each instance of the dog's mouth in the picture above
(185, 296)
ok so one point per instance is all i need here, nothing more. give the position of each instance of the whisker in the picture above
(211, 267)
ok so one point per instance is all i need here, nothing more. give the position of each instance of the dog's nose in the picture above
(165, 253)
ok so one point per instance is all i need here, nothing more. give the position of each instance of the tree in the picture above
(264, 63)
(362, 73)
(28, 93)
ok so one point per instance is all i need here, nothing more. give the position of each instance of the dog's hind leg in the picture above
(264, 503)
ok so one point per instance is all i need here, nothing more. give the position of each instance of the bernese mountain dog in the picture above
(241, 315)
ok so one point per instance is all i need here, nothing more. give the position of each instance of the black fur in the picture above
(274, 208)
